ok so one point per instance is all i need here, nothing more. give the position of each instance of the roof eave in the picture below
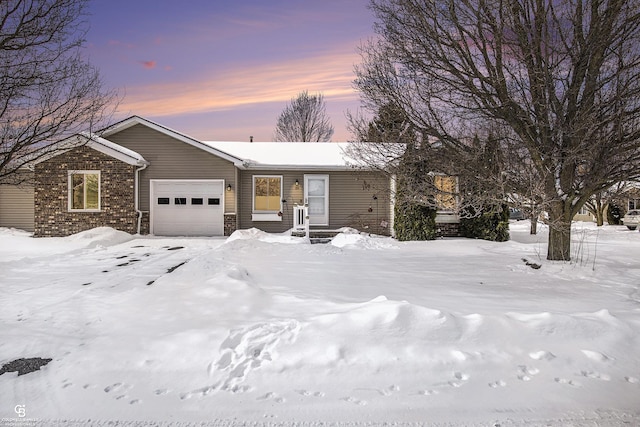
(262, 166)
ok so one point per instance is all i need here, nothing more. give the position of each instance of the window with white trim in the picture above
(267, 197)
(584, 210)
(84, 191)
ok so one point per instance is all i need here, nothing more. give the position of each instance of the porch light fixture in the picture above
(228, 187)
(297, 183)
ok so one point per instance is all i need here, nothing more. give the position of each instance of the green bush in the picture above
(491, 224)
(414, 222)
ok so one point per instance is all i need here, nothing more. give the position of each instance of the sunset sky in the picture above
(224, 70)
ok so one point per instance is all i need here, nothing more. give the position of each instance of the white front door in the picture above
(316, 196)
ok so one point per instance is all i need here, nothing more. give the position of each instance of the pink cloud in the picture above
(277, 81)
(118, 43)
(148, 64)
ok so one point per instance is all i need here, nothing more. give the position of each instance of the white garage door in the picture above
(187, 207)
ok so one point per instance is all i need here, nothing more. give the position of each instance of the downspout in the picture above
(136, 202)
(393, 188)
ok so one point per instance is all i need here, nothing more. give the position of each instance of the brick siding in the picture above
(448, 229)
(230, 224)
(52, 216)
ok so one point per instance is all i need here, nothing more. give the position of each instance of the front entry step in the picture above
(317, 234)
(322, 240)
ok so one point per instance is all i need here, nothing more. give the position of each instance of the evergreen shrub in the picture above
(414, 221)
(491, 224)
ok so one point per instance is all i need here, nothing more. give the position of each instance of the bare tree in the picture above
(563, 77)
(430, 171)
(304, 120)
(603, 200)
(48, 91)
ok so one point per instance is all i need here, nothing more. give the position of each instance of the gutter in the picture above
(136, 188)
(328, 168)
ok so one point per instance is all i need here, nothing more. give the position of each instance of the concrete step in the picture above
(316, 234)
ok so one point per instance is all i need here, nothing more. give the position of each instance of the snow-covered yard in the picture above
(263, 329)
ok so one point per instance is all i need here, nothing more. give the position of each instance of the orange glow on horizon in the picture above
(330, 74)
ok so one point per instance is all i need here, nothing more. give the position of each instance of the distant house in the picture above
(627, 201)
(141, 177)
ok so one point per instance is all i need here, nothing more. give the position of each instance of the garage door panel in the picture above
(188, 208)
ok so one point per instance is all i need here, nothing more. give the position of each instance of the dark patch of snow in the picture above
(24, 366)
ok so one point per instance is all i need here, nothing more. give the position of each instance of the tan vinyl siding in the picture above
(16, 206)
(174, 159)
(350, 197)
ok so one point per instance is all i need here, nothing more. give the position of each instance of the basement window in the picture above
(84, 191)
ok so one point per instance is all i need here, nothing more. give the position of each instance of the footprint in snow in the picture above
(308, 393)
(272, 396)
(389, 390)
(112, 387)
(135, 402)
(497, 384)
(118, 388)
(161, 391)
(461, 378)
(542, 355)
(525, 373)
(567, 382)
(428, 392)
(246, 349)
(632, 380)
(236, 388)
(595, 375)
(353, 400)
(597, 356)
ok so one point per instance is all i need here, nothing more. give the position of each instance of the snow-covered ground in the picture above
(264, 329)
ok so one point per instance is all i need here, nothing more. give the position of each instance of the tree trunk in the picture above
(559, 248)
(599, 210)
(534, 223)
(600, 216)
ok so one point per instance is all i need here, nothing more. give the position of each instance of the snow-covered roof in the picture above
(114, 150)
(287, 155)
